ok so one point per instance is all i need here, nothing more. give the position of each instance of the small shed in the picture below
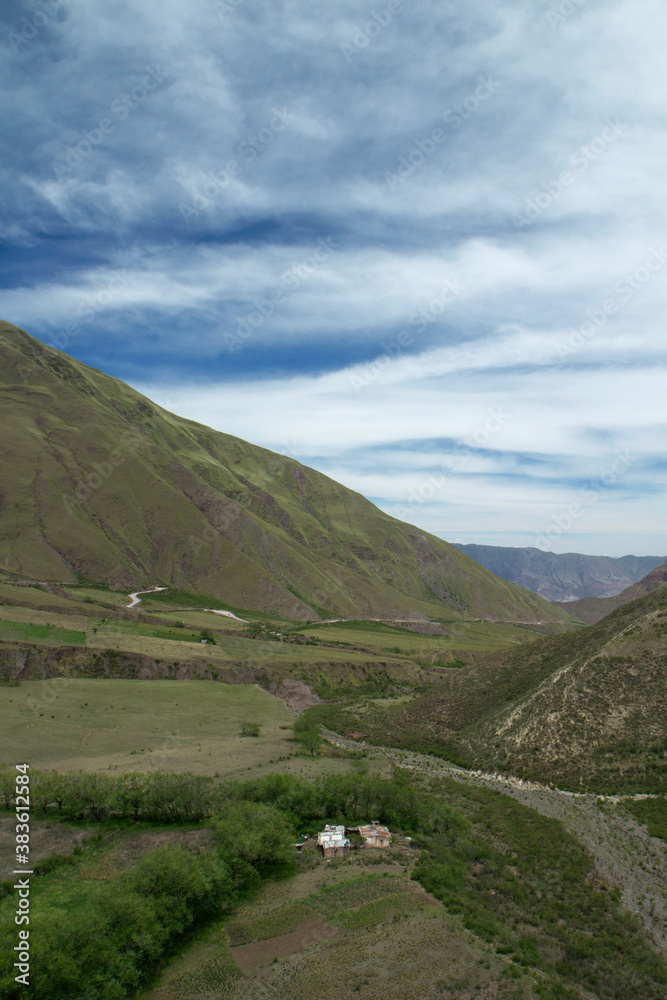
(375, 835)
(333, 842)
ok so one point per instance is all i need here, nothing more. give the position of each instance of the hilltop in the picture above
(584, 710)
(100, 484)
(562, 577)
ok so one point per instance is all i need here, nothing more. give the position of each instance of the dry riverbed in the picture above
(626, 857)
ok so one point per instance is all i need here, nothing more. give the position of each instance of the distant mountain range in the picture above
(594, 609)
(562, 578)
(99, 483)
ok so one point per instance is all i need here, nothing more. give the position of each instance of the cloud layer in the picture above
(421, 249)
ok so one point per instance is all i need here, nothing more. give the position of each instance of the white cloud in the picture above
(520, 333)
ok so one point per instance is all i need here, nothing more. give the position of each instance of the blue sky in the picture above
(419, 246)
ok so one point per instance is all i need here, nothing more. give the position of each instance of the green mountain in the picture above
(593, 609)
(583, 710)
(562, 577)
(100, 483)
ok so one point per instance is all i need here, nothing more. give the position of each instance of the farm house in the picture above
(333, 842)
(374, 834)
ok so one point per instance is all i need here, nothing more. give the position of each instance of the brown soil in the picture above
(297, 695)
(129, 852)
(250, 956)
(46, 838)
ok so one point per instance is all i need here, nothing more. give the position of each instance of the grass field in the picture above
(24, 632)
(72, 724)
(472, 637)
(68, 724)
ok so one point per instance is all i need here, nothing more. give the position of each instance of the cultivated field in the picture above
(339, 929)
(168, 625)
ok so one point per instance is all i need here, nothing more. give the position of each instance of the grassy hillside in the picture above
(100, 483)
(562, 576)
(593, 609)
(585, 711)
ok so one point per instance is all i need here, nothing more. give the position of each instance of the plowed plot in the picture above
(249, 956)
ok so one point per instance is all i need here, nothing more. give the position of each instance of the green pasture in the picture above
(71, 724)
(132, 725)
(12, 631)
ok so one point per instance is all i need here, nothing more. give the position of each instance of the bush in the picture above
(252, 837)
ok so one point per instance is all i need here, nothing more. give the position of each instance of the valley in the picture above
(208, 651)
(522, 868)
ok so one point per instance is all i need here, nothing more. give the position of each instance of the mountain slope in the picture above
(594, 609)
(562, 577)
(584, 710)
(99, 481)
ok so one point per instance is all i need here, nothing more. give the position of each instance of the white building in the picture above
(333, 842)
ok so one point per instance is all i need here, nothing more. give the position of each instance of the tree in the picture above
(92, 795)
(130, 794)
(252, 835)
(7, 785)
(49, 787)
(307, 733)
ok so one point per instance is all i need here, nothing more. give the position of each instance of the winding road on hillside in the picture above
(625, 855)
(135, 599)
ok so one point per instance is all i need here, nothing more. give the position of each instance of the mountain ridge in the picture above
(562, 577)
(593, 609)
(583, 710)
(122, 491)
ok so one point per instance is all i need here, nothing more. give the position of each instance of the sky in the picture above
(419, 246)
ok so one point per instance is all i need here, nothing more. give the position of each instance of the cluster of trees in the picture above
(105, 945)
(191, 798)
(351, 798)
(188, 798)
(164, 798)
